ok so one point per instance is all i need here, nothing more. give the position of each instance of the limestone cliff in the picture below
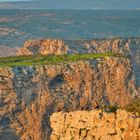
(29, 95)
(128, 46)
(95, 125)
(44, 46)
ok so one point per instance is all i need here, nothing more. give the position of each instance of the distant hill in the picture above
(72, 4)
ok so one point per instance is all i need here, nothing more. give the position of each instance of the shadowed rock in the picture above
(29, 95)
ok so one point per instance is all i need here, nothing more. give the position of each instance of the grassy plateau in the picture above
(31, 60)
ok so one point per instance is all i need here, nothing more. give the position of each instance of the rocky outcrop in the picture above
(29, 95)
(46, 46)
(95, 125)
(129, 47)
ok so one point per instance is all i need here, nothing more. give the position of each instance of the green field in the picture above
(51, 59)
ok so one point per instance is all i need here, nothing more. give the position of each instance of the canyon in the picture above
(29, 95)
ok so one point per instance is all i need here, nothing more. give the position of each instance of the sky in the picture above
(70, 4)
(12, 0)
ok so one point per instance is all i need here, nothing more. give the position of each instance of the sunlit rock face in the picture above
(45, 46)
(129, 47)
(95, 125)
(29, 95)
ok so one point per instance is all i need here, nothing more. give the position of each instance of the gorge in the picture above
(29, 95)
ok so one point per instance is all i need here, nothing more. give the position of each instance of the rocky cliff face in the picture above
(95, 125)
(46, 47)
(129, 47)
(29, 95)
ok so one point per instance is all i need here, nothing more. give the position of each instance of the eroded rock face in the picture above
(46, 46)
(129, 47)
(29, 95)
(95, 125)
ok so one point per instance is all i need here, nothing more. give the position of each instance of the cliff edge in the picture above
(30, 94)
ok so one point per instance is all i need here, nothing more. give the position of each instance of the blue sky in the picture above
(73, 4)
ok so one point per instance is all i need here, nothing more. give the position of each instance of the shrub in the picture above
(134, 106)
(110, 109)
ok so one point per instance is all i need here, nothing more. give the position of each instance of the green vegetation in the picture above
(110, 108)
(51, 59)
(134, 106)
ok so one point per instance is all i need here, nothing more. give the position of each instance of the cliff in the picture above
(95, 125)
(29, 95)
(126, 46)
(44, 46)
